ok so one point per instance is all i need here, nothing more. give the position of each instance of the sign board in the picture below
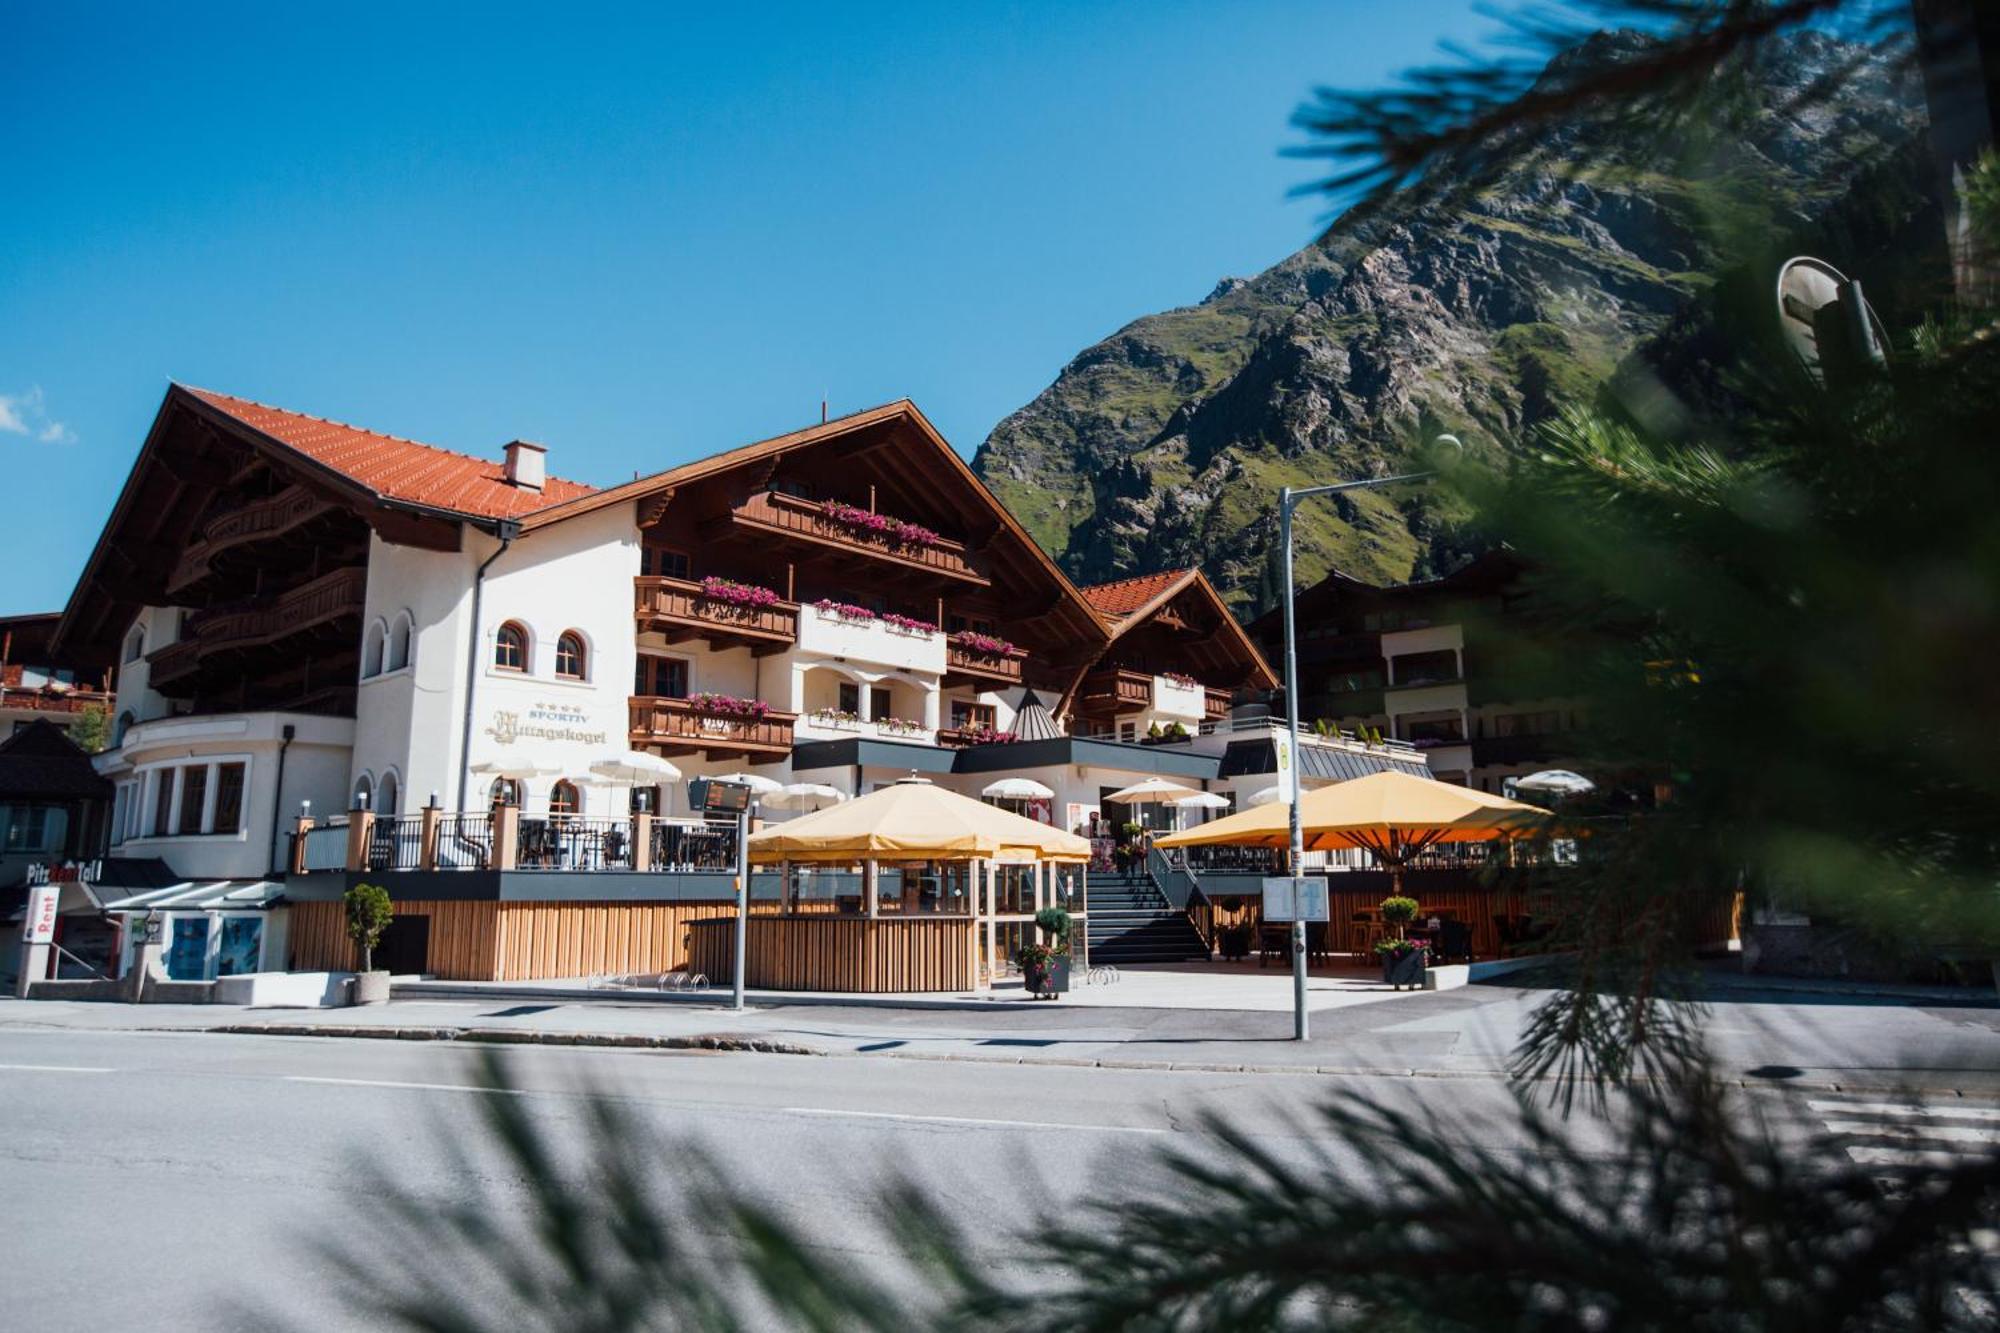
(39, 927)
(1312, 904)
(718, 798)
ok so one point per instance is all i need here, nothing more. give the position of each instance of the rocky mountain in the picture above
(1165, 444)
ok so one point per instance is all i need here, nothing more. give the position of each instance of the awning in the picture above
(238, 895)
(115, 877)
(1254, 758)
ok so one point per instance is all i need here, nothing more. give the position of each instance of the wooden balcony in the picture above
(968, 666)
(675, 726)
(1215, 704)
(1115, 690)
(678, 609)
(52, 701)
(287, 511)
(791, 519)
(319, 605)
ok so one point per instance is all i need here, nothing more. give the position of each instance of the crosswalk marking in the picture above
(1898, 1108)
(1904, 1134)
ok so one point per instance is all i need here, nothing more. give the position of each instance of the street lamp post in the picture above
(1288, 500)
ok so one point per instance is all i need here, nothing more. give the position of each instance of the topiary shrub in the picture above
(1399, 912)
(369, 913)
(1055, 923)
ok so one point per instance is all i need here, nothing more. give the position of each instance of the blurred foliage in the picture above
(1368, 1218)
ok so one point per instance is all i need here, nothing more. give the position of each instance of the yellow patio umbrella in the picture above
(1393, 815)
(915, 820)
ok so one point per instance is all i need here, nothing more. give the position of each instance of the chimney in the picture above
(527, 465)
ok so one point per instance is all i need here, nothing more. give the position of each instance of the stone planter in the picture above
(371, 988)
(1407, 970)
(1046, 983)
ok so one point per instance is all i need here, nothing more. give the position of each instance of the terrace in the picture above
(504, 839)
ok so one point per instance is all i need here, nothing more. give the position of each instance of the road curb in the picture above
(522, 1037)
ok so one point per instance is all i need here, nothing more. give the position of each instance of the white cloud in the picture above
(27, 414)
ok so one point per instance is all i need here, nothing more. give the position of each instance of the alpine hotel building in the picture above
(342, 655)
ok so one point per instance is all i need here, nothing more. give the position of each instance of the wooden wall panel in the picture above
(540, 940)
(461, 946)
(842, 953)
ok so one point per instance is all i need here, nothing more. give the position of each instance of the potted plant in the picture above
(1234, 943)
(1399, 912)
(1045, 967)
(1403, 961)
(369, 913)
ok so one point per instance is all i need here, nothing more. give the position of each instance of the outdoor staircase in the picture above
(1131, 921)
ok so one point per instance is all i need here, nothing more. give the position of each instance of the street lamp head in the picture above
(1446, 452)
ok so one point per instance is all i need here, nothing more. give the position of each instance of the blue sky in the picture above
(638, 236)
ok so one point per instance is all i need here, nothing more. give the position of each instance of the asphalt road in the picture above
(186, 1180)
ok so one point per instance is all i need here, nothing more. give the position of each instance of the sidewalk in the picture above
(1810, 1041)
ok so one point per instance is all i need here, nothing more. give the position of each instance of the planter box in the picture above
(371, 988)
(1405, 971)
(1050, 981)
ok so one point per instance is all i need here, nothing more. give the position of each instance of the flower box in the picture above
(728, 705)
(731, 593)
(902, 533)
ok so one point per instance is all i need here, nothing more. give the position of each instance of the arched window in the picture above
(389, 795)
(505, 791)
(400, 635)
(124, 725)
(371, 651)
(364, 793)
(135, 643)
(564, 800)
(510, 648)
(569, 655)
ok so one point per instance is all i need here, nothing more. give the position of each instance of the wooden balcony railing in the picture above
(53, 701)
(972, 664)
(290, 508)
(1215, 704)
(1115, 690)
(788, 516)
(322, 601)
(676, 726)
(678, 609)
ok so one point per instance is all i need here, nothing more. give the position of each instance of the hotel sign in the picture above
(544, 721)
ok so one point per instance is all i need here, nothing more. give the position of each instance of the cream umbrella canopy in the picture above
(1150, 791)
(1018, 789)
(1392, 815)
(634, 768)
(805, 796)
(915, 820)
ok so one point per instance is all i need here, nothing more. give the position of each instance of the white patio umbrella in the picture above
(1264, 796)
(634, 768)
(1555, 782)
(1151, 791)
(516, 769)
(805, 796)
(1203, 800)
(759, 786)
(1018, 789)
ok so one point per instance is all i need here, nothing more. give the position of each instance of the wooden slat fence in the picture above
(842, 953)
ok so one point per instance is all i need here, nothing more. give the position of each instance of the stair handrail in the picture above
(1176, 881)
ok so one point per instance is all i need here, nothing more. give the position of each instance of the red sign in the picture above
(40, 926)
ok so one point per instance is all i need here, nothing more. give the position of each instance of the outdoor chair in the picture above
(1454, 940)
(1504, 929)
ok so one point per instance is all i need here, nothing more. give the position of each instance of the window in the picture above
(967, 714)
(399, 642)
(563, 799)
(386, 797)
(658, 560)
(364, 793)
(510, 648)
(194, 794)
(569, 655)
(505, 791)
(163, 802)
(661, 677)
(850, 698)
(371, 651)
(646, 801)
(878, 702)
(135, 643)
(228, 798)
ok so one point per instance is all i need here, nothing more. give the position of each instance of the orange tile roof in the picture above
(1121, 597)
(395, 468)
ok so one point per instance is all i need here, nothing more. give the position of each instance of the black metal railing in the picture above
(396, 842)
(575, 842)
(1236, 860)
(465, 842)
(694, 846)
